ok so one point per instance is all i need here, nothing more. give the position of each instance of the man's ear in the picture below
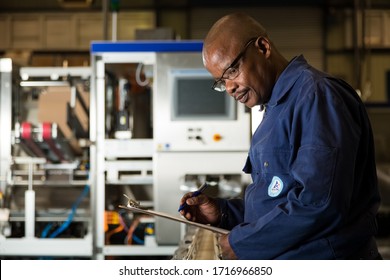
(263, 44)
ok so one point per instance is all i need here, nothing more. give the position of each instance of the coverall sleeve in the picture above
(232, 212)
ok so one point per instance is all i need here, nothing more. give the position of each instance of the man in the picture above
(314, 193)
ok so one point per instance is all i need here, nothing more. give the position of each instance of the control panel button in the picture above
(217, 137)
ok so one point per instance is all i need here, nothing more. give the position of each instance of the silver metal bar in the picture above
(134, 250)
(51, 184)
(47, 247)
(28, 72)
(44, 83)
(29, 210)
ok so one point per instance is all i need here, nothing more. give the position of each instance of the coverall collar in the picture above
(287, 79)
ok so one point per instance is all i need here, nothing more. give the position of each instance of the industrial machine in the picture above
(45, 190)
(142, 121)
(186, 135)
(199, 135)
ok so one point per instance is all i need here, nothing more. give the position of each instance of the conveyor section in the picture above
(45, 140)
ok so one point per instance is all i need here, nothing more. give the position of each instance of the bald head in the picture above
(237, 27)
(232, 30)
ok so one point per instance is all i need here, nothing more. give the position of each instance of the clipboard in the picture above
(135, 208)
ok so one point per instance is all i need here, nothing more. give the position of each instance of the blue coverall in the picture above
(314, 193)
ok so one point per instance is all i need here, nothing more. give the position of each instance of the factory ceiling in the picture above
(60, 5)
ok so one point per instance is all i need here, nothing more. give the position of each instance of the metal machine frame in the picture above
(166, 187)
(29, 245)
(165, 170)
(109, 151)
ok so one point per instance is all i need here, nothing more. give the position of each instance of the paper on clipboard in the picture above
(173, 218)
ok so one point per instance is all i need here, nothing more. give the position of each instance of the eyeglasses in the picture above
(232, 71)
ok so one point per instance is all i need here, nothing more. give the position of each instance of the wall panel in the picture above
(296, 30)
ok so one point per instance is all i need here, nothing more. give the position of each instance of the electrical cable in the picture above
(138, 240)
(68, 221)
(130, 234)
(46, 230)
(122, 221)
(112, 232)
(66, 224)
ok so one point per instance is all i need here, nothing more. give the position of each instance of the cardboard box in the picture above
(52, 106)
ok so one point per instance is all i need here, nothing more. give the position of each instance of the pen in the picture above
(202, 188)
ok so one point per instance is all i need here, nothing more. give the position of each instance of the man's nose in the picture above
(231, 87)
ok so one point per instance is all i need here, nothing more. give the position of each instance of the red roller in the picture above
(26, 131)
(46, 131)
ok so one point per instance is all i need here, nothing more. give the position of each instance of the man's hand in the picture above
(201, 209)
(226, 250)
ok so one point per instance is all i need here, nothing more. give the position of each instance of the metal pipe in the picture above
(43, 83)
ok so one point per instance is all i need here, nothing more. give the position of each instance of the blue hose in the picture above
(68, 221)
